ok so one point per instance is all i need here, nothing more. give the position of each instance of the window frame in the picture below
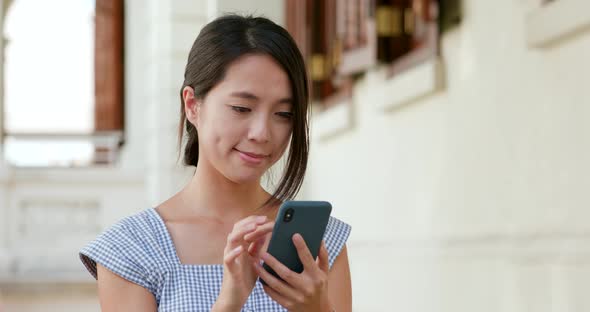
(108, 135)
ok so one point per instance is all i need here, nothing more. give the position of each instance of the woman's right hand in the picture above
(245, 244)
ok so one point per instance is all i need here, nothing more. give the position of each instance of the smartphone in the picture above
(308, 218)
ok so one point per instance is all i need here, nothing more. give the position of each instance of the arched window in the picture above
(63, 82)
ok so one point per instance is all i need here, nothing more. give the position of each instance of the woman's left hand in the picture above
(305, 291)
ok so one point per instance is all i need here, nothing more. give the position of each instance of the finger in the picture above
(232, 255)
(251, 219)
(243, 227)
(277, 297)
(261, 230)
(323, 262)
(266, 242)
(282, 288)
(260, 246)
(292, 278)
(236, 237)
(303, 252)
(255, 248)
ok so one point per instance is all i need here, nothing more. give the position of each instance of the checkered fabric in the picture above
(140, 249)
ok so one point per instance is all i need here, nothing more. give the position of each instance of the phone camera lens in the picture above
(288, 215)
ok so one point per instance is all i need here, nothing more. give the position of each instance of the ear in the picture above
(192, 105)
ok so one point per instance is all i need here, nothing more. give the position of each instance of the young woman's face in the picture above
(245, 122)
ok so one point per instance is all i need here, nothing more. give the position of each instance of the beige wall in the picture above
(270, 9)
(474, 198)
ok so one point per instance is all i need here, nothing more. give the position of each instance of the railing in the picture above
(46, 216)
(35, 150)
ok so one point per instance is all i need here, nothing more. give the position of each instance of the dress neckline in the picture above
(170, 242)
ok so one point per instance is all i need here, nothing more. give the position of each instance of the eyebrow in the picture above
(249, 96)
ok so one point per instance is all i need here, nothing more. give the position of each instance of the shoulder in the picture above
(336, 235)
(129, 248)
(138, 227)
(137, 232)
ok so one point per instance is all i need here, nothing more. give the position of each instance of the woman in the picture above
(244, 102)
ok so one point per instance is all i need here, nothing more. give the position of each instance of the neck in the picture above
(211, 194)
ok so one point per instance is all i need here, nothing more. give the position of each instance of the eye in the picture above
(286, 115)
(240, 109)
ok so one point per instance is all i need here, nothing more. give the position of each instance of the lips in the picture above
(251, 158)
(255, 155)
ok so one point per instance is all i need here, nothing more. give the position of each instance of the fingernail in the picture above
(261, 218)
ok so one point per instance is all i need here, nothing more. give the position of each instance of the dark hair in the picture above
(221, 42)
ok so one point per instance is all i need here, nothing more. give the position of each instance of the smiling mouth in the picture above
(253, 155)
(251, 158)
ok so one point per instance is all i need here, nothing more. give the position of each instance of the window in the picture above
(408, 33)
(63, 83)
(337, 40)
(342, 39)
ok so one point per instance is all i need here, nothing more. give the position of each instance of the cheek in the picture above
(283, 139)
(219, 134)
(224, 139)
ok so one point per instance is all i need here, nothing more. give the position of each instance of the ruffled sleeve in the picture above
(336, 235)
(129, 249)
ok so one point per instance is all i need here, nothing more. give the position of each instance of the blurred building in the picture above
(453, 136)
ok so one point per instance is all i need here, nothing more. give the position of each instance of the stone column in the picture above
(179, 23)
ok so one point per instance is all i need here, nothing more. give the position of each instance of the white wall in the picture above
(474, 198)
(173, 27)
(273, 10)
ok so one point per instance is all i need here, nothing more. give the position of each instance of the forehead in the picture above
(258, 74)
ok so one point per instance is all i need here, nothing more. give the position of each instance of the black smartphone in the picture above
(308, 218)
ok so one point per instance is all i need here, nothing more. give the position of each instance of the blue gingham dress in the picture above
(140, 249)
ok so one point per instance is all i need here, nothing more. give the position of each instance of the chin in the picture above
(244, 178)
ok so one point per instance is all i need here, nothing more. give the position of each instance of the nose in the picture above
(259, 130)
